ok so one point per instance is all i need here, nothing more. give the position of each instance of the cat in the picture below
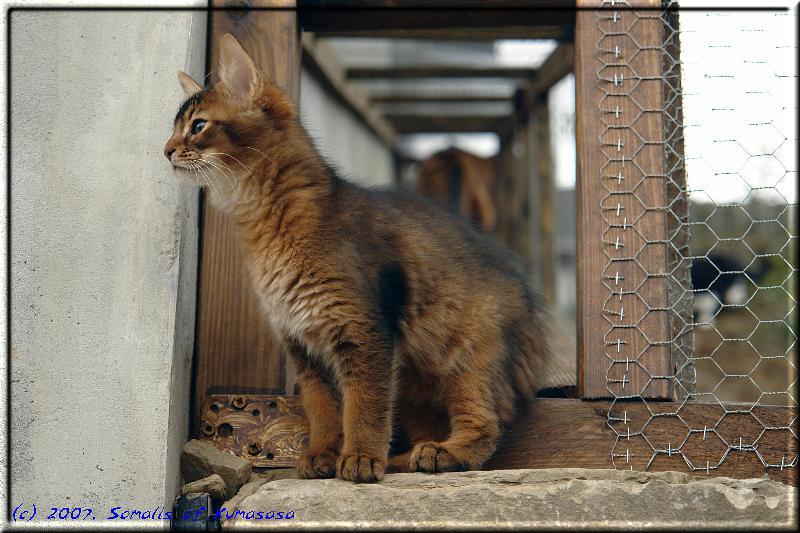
(460, 181)
(410, 331)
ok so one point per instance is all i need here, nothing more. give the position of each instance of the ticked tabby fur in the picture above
(407, 327)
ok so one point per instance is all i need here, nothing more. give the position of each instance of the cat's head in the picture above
(223, 134)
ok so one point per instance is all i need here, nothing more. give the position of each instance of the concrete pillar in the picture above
(103, 257)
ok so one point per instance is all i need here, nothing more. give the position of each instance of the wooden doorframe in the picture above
(620, 252)
(235, 350)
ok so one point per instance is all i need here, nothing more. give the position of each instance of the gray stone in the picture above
(212, 485)
(274, 474)
(571, 497)
(256, 480)
(201, 459)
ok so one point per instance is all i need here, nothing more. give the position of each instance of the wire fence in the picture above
(701, 211)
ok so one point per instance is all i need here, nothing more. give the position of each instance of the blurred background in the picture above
(738, 74)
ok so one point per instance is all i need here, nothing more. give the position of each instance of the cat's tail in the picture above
(544, 355)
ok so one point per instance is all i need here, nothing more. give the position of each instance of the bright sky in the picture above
(740, 107)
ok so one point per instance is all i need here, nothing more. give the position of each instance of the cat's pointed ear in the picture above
(190, 87)
(236, 69)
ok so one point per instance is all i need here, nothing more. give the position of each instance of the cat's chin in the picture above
(188, 176)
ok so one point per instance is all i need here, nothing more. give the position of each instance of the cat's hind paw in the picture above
(434, 457)
(360, 467)
(313, 465)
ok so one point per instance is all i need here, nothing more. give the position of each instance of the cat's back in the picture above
(438, 249)
(416, 228)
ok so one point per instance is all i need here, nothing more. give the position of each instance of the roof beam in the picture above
(438, 99)
(362, 73)
(558, 33)
(448, 124)
(557, 65)
(473, 19)
(320, 60)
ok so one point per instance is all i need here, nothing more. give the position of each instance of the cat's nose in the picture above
(168, 151)
(170, 148)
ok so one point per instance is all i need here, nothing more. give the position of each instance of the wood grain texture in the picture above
(510, 193)
(235, 349)
(435, 4)
(267, 430)
(559, 433)
(544, 220)
(436, 98)
(564, 433)
(590, 259)
(679, 260)
(560, 33)
(448, 19)
(629, 242)
(557, 65)
(393, 73)
(452, 123)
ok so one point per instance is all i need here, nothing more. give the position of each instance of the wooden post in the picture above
(235, 350)
(624, 334)
(542, 216)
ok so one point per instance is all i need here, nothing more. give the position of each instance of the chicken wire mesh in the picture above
(700, 203)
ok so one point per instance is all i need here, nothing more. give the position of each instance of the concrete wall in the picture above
(104, 250)
(342, 138)
(103, 257)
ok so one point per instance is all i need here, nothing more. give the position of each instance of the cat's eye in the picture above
(197, 126)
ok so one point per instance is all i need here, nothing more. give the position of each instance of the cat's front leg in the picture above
(367, 384)
(322, 409)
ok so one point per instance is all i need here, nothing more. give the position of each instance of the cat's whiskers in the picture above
(262, 153)
(209, 181)
(213, 155)
(232, 181)
(193, 169)
(230, 176)
(249, 170)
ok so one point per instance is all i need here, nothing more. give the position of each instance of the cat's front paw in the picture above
(434, 457)
(360, 467)
(313, 465)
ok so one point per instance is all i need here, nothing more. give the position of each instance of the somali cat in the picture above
(408, 328)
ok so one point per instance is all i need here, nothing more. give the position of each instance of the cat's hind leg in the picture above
(474, 428)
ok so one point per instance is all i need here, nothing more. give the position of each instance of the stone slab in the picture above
(518, 499)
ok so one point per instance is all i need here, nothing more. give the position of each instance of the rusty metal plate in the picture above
(267, 430)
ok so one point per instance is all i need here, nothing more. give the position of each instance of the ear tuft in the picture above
(190, 87)
(236, 69)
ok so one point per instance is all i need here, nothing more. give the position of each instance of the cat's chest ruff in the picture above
(293, 305)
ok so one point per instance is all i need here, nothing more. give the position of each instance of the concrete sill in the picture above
(526, 499)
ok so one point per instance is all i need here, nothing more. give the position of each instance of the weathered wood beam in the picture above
(559, 33)
(432, 123)
(436, 4)
(621, 255)
(438, 99)
(235, 350)
(505, 19)
(567, 433)
(557, 65)
(320, 60)
(563, 433)
(542, 200)
(392, 73)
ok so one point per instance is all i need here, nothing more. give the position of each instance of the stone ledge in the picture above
(514, 499)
